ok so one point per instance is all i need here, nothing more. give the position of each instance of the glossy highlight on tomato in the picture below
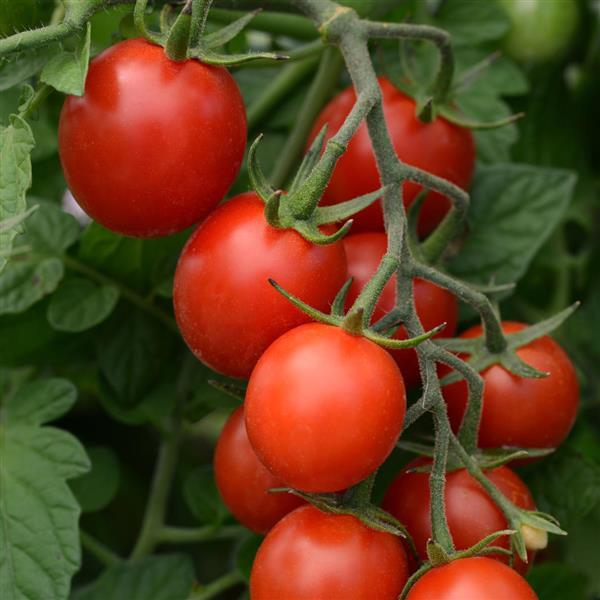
(244, 482)
(434, 305)
(324, 408)
(439, 147)
(528, 413)
(312, 555)
(471, 513)
(476, 578)
(227, 311)
(153, 145)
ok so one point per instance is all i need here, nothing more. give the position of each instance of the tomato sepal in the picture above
(372, 516)
(486, 458)
(480, 358)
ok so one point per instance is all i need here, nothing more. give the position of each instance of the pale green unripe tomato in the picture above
(540, 29)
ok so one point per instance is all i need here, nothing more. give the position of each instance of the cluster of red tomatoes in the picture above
(150, 149)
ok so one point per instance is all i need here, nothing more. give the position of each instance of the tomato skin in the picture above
(244, 482)
(324, 408)
(153, 145)
(439, 147)
(474, 578)
(471, 512)
(540, 30)
(434, 305)
(528, 413)
(226, 310)
(312, 555)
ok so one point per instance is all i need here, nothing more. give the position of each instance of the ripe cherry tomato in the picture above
(244, 482)
(311, 555)
(434, 304)
(324, 408)
(529, 413)
(438, 147)
(471, 512)
(475, 578)
(227, 311)
(539, 30)
(153, 145)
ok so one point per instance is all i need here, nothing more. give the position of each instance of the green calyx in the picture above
(353, 322)
(298, 209)
(480, 357)
(342, 504)
(485, 458)
(183, 38)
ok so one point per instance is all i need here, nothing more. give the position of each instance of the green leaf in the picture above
(153, 408)
(202, 496)
(557, 581)
(165, 577)
(493, 145)
(514, 209)
(97, 488)
(471, 23)
(50, 230)
(16, 144)
(66, 72)
(19, 67)
(80, 304)
(23, 284)
(31, 337)
(501, 76)
(141, 264)
(131, 353)
(39, 542)
(16, 220)
(566, 485)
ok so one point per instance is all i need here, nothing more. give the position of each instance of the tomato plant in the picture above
(230, 377)
(142, 149)
(434, 305)
(310, 554)
(439, 147)
(231, 256)
(244, 482)
(325, 437)
(472, 514)
(471, 578)
(530, 413)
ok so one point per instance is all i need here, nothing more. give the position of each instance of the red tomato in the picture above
(324, 408)
(475, 578)
(311, 555)
(434, 304)
(244, 482)
(529, 413)
(153, 145)
(438, 147)
(227, 311)
(471, 513)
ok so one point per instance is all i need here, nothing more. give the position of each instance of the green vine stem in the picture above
(194, 535)
(159, 493)
(290, 25)
(218, 586)
(278, 89)
(106, 556)
(323, 84)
